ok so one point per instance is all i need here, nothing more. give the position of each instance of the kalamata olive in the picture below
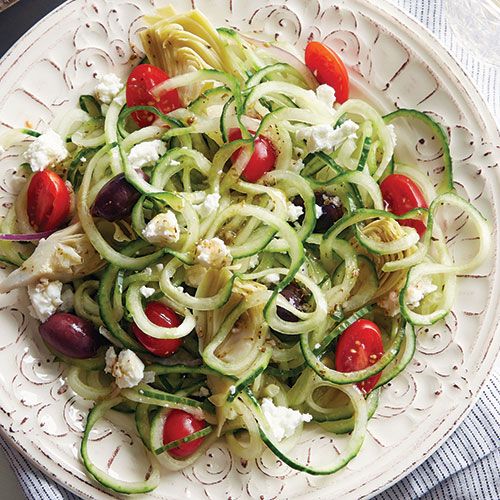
(71, 335)
(331, 210)
(116, 199)
(294, 294)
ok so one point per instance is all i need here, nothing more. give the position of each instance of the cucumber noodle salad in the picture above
(226, 246)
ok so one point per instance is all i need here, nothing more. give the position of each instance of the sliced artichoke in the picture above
(65, 255)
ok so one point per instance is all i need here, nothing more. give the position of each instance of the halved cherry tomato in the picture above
(178, 425)
(359, 347)
(263, 157)
(48, 201)
(328, 68)
(160, 315)
(401, 194)
(139, 84)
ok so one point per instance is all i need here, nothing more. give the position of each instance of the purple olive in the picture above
(294, 294)
(331, 210)
(116, 199)
(70, 335)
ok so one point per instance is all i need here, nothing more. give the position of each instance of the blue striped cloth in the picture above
(467, 466)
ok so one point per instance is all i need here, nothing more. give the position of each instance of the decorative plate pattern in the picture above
(394, 63)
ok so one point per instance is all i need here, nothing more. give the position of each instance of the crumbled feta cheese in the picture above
(318, 211)
(326, 94)
(127, 368)
(297, 166)
(293, 211)
(232, 389)
(68, 298)
(45, 298)
(146, 291)
(283, 421)
(162, 229)
(325, 137)
(83, 159)
(213, 253)
(392, 131)
(209, 205)
(272, 278)
(253, 262)
(46, 150)
(416, 292)
(159, 267)
(148, 271)
(390, 303)
(317, 346)
(146, 153)
(108, 87)
(194, 275)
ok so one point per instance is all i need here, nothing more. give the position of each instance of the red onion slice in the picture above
(26, 237)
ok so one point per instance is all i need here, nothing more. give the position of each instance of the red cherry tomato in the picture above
(178, 425)
(263, 157)
(48, 201)
(328, 68)
(359, 347)
(160, 315)
(401, 195)
(139, 84)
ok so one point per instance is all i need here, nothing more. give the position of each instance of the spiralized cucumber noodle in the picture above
(242, 341)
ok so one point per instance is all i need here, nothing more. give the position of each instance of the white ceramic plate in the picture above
(394, 62)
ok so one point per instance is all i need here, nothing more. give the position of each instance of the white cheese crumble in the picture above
(45, 298)
(318, 211)
(272, 278)
(326, 94)
(46, 150)
(293, 211)
(209, 205)
(213, 253)
(392, 132)
(146, 291)
(232, 389)
(417, 291)
(108, 87)
(127, 368)
(162, 229)
(317, 346)
(325, 137)
(253, 261)
(146, 153)
(283, 421)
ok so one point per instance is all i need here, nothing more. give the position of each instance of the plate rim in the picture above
(428, 40)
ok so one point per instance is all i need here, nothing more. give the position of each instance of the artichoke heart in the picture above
(181, 43)
(65, 255)
(385, 230)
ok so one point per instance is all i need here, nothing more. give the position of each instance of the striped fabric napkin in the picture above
(467, 465)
